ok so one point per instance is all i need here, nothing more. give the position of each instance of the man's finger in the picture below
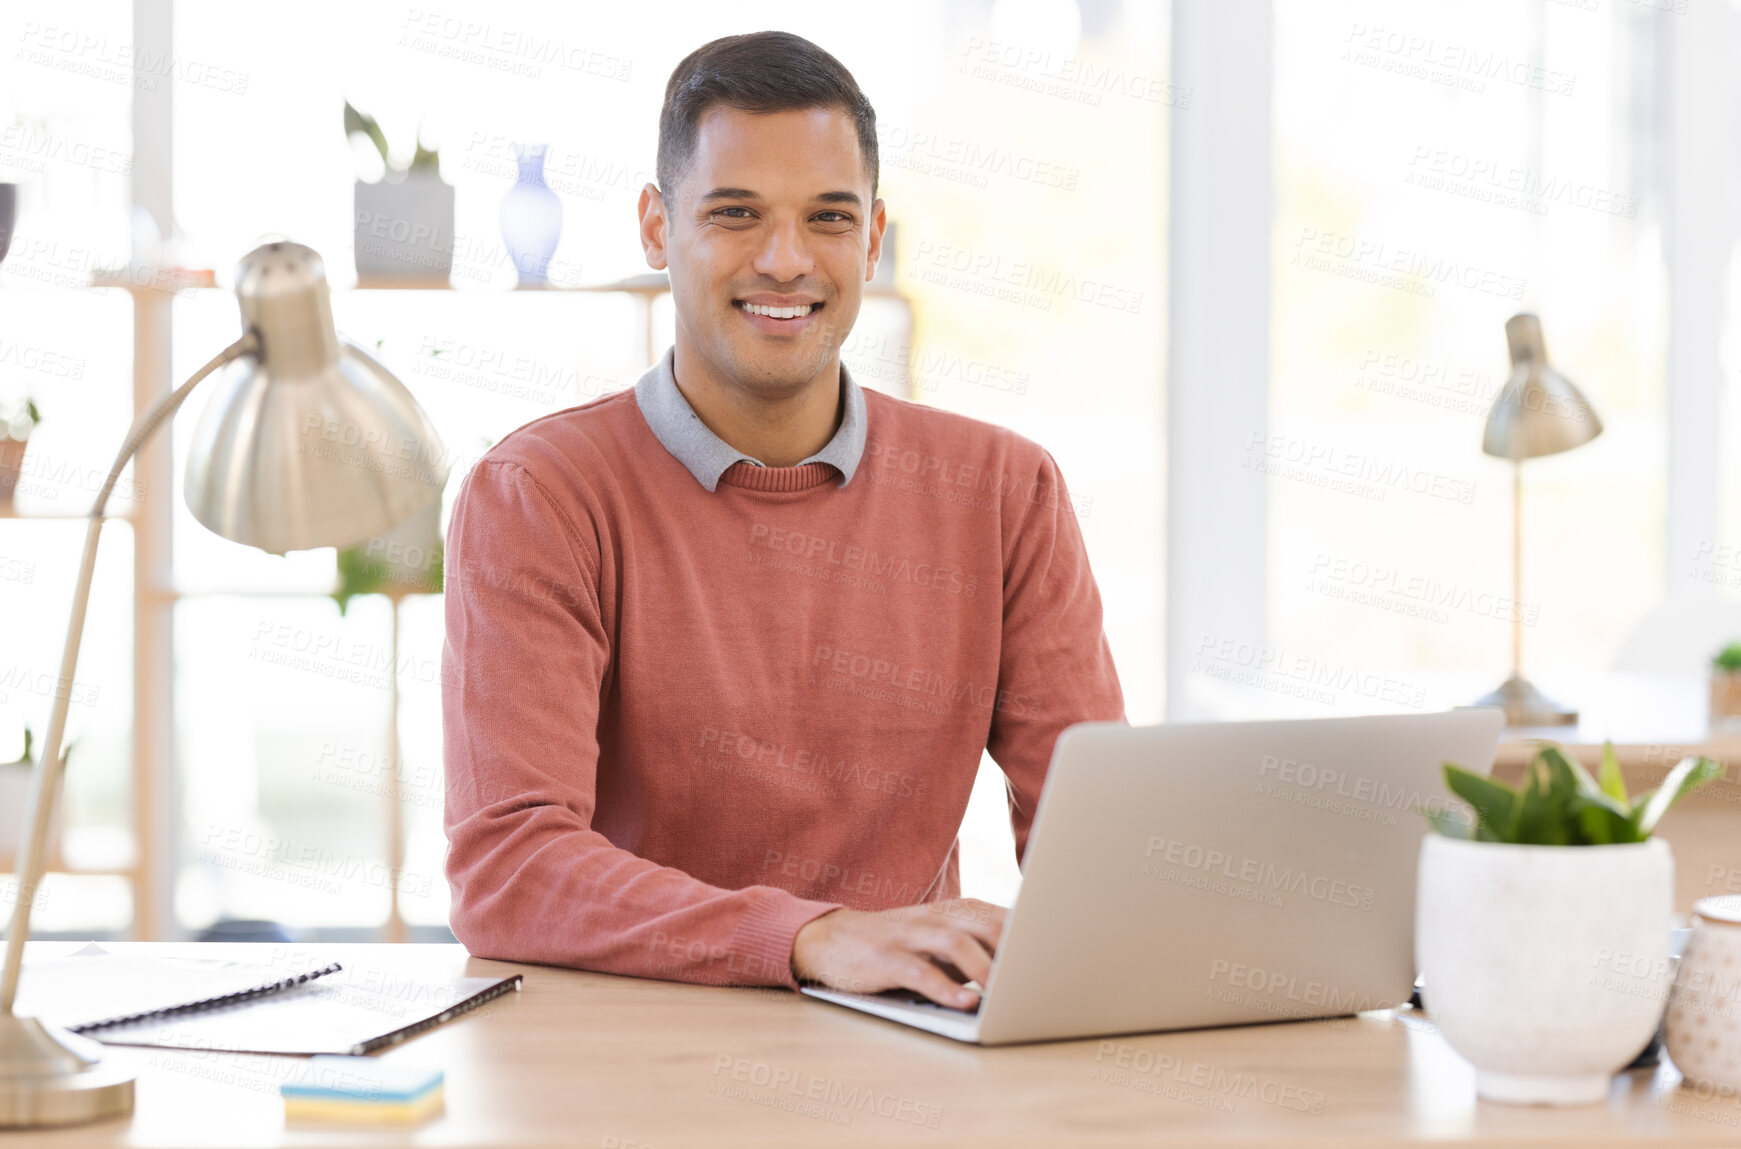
(955, 947)
(923, 977)
(981, 919)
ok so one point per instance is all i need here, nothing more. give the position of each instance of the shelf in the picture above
(178, 592)
(165, 281)
(649, 285)
(654, 283)
(9, 867)
(59, 516)
(6, 868)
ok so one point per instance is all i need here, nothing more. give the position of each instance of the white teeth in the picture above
(778, 312)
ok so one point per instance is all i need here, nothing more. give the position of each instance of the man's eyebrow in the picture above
(850, 197)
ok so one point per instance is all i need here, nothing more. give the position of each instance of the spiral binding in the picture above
(211, 1002)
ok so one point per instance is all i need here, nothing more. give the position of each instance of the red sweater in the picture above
(680, 724)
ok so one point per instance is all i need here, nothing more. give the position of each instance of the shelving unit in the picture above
(155, 592)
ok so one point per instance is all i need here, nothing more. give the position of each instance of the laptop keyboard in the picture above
(908, 997)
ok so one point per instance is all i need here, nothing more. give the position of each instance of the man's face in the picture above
(774, 212)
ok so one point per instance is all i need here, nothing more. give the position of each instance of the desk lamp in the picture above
(309, 442)
(1538, 412)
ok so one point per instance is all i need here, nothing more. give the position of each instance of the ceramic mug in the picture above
(1703, 1027)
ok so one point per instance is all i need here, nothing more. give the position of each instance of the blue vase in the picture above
(531, 218)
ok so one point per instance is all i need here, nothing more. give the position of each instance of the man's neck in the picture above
(780, 432)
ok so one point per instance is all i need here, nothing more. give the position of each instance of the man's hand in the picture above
(930, 949)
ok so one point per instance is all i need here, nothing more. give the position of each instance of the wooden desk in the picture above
(579, 1059)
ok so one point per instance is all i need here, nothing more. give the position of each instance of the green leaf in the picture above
(1544, 814)
(1613, 784)
(1447, 823)
(1688, 775)
(425, 159)
(1599, 820)
(1565, 766)
(356, 121)
(1604, 825)
(1493, 801)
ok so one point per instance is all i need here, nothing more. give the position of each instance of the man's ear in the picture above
(879, 220)
(654, 221)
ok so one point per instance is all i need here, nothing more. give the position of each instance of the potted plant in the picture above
(16, 424)
(15, 778)
(1527, 913)
(1726, 685)
(405, 560)
(404, 221)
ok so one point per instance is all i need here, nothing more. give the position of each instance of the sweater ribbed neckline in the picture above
(799, 478)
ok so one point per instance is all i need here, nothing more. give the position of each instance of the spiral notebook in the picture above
(94, 987)
(236, 1007)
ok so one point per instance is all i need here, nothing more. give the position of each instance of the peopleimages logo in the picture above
(1388, 264)
(924, 683)
(1277, 984)
(1255, 873)
(1245, 662)
(805, 760)
(856, 559)
(839, 1099)
(1340, 784)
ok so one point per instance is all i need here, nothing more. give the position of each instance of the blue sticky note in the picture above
(361, 1079)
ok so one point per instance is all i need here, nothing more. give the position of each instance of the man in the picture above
(723, 652)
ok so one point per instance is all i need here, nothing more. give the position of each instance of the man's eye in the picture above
(723, 210)
(839, 216)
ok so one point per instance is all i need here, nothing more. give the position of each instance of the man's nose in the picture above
(785, 253)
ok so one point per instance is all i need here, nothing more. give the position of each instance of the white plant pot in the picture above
(1531, 955)
(404, 228)
(15, 778)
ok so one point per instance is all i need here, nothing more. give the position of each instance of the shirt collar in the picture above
(706, 456)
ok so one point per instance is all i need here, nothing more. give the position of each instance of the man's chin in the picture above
(778, 369)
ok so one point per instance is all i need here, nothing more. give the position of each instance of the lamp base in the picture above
(1524, 705)
(51, 1077)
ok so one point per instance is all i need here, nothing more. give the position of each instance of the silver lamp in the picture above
(1538, 412)
(308, 442)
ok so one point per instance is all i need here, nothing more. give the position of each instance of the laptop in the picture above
(1180, 876)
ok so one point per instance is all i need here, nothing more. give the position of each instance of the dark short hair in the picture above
(756, 72)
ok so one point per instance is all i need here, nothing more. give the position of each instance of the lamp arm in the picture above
(46, 774)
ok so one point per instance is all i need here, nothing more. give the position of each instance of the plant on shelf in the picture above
(405, 560)
(404, 221)
(423, 159)
(15, 795)
(17, 421)
(363, 573)
(1524, 911)
(1726, 685)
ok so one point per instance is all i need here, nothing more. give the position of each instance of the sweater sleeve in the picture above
(1056, 667)
(526, 660)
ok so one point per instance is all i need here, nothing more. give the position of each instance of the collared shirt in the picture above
(706, 456)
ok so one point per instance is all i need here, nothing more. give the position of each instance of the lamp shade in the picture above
(310, 442)
(1538, 411)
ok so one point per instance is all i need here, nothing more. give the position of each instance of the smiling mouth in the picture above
(782, 313)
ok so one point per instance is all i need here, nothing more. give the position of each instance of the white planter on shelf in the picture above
(1529, 958)
(404, 228)
(15, 780)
